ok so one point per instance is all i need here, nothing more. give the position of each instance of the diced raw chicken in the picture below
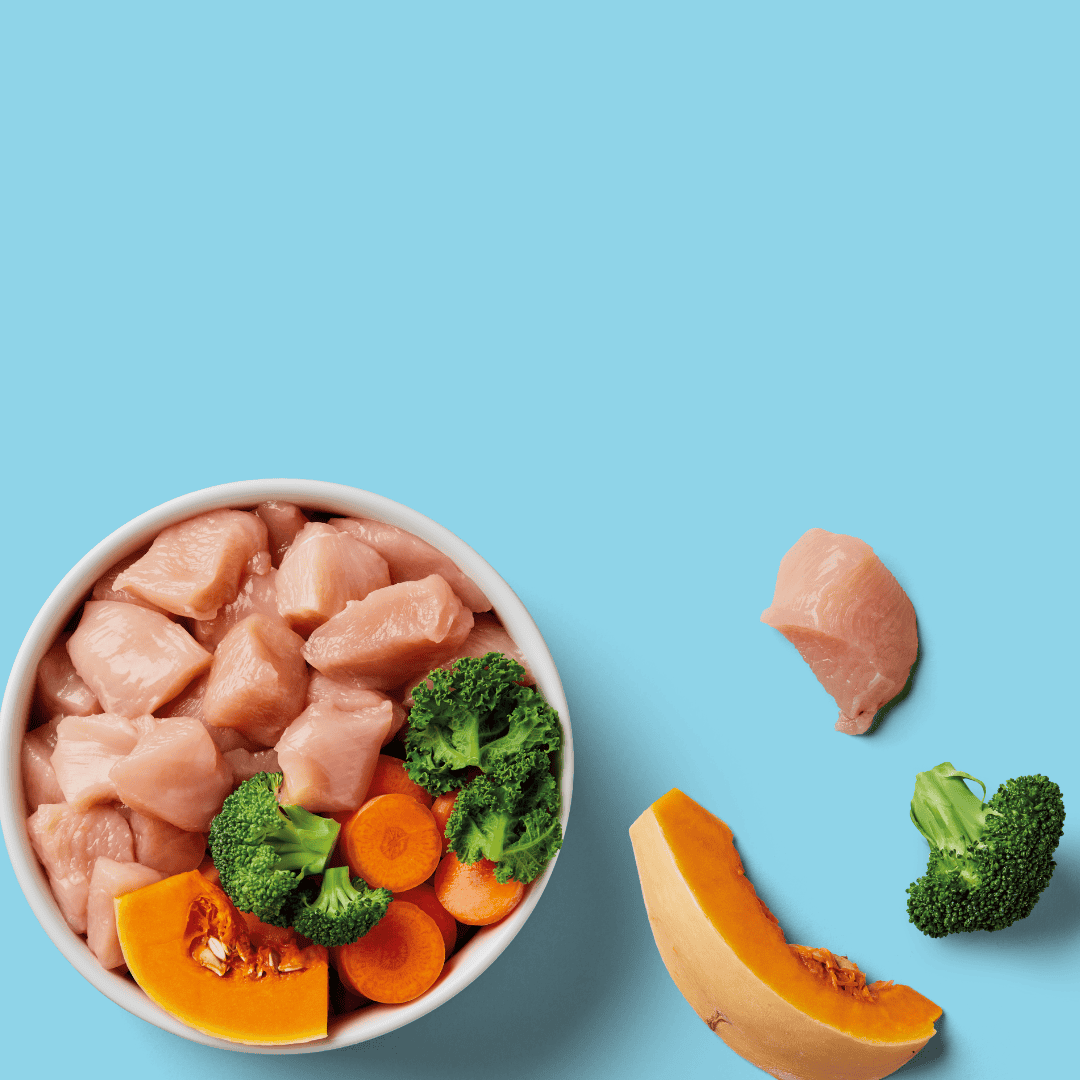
(248, 763)
(59, 690)
(87, 747)
(133, 659)
(108, 880)
(328, 757)
(39, 779)
(175, 773)
(257, 596)
(105, 586)
(352, 698)
(193, 568)
(854, 625)
(283, 521)
(67, 842)
(258, 681)
(487, 635)
(392, 635)
(411, 558)
(322, 571)
(189, 702)
(162, 846)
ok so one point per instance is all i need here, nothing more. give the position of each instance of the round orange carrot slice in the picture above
(396, 961)
(423, 896)
(392, 842)
(471, 894)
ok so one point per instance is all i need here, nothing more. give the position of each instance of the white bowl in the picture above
(374, 1020)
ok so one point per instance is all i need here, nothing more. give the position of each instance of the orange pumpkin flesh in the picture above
(799, 1013)
(173, 935)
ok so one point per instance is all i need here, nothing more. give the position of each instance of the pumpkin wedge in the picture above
(797, 1013)
(193, 953)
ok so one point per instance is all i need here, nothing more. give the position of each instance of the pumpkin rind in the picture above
(153, 924)
(729, 959)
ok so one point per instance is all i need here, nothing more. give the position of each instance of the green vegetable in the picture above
(989, 861)
(263, 850)
(509, 817)
(475, 714)
(343, 912)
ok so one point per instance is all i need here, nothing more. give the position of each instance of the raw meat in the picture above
(392, 635)
(39, 779)
(854, 625)
(58, 689)
(133, 659)
(108, 880)
(411, 558)
(283, 521)
(162, 846)
(87, 747)
(67, 842)
(193, 568)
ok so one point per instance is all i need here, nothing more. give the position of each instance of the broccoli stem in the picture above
(950, 815)
(303, 841)
(337, 891)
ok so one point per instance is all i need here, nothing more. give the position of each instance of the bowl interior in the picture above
(374, 1020)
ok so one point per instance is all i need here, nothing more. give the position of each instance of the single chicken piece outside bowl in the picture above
(374, 1020)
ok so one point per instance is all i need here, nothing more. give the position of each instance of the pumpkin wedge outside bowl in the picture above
(336, 499)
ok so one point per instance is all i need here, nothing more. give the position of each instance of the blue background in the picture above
(628, 296)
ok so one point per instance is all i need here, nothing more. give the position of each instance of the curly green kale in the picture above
(989, 861)
(343, 912)
(509, 816)
(262, 850)
(475, 714)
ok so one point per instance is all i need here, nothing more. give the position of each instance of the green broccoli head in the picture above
(510, 817)
(474, 714)
(262, 850)
(989, 861)
(343, 912)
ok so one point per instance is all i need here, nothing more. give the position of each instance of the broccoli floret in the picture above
(343, 912)
(509, 817)
(474, 714)
(989, 861)
(262, 850)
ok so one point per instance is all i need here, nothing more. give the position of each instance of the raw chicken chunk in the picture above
(105, 586)
(248, 763)
(175, 773)
(854, 625)
(67, 842)
(39, 779)
(411, 558)
(133, 659)
(393, 635)
(352, 698)
(108, 880)
(258, 681)
(189, 702)
(162, 846)
(328, 757)
(257, 596)
(58, 689)
(87, 747)
(487, 635)
(321, 572)
(283, 521)
(193, 568)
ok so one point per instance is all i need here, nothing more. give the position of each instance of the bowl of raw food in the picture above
(320, 500)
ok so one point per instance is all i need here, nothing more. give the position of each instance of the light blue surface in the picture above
(628, 296)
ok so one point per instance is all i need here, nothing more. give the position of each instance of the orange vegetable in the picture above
(396, 961)
(423, 896)
(441, 809)
(392, 777)
(392, 842)
(471, 894)
(791, 1010)
(189, 948)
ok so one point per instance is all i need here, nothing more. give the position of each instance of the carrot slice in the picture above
(396, 961)
(392, 842)
(441, 809)
(392, 777)
(423, 896)
(471, 894)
